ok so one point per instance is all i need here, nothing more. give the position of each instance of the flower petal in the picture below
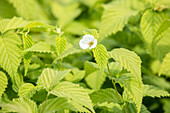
(83, 45)
(94, 45)
(88, 38)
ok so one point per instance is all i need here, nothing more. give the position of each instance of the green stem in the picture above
(44, 103)
(114, 85)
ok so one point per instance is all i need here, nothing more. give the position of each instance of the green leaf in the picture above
(28, 90)
(65, 13)
(30, 10)
(6, 9)
(69, 51)
(162, 46)
(127, 59)
(3, 83)
(131, 108)
(60, 103)
(74, 92)
(9, 24)
(49, 78)
(41, 47)
(27, 42)
(37, 25)
(90, 67)
(77, 75)
(153, 91)
(91, 32)
(150, 24)
(10, 53)
(105, 95)
(60, 44)
(17, 82)
(163, 27)
(96, 79)
(115, 68)
(165, 66)
(20, 105)
(166, 104)
(101, 56)
(134, 88)
(114, 18)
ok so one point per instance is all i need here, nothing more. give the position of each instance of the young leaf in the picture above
(20, 105)
(28, 42)
(9, 24)
(101, 56)
(115, 68)
(105, 95)
(60, 103)
(28, 90)
(60, 44)
(131, 108)
(3, 83)
(41, 47)
(10, 53)
(17, 82)
(127, 59)
(150, 24)
(74, 92)
(96, 79)
(49, 78)
(153, 91)
(134, 88)
(114, 18)
(165, 66)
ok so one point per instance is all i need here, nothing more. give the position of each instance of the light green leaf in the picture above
(69, 51)
(60, 44)
(49, 78)
(17, 82)
(37, 25)
(101, 56)
(96, 79)
(131, 108)
(10, 53)
(91, 32)
(114, 18)
(115, 68)
(162, 46)
(20, 105)
(3, 83)
(150, 24)
(153, 91)
(65, 13)
(105, 95)
(74, 92)
(163, 27)
(165, 66)
(27, 42)
(41, 47)
(134, 88)
(77, 75)
(60, 103)
(30, 10)
(90, 67)
(127, 59)
(6, 9)
(28, 90)
(9, 24)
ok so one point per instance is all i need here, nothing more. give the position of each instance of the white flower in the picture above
(88, 41)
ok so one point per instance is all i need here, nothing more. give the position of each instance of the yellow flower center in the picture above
(91, 43)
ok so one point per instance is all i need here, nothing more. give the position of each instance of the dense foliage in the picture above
(43, 69)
